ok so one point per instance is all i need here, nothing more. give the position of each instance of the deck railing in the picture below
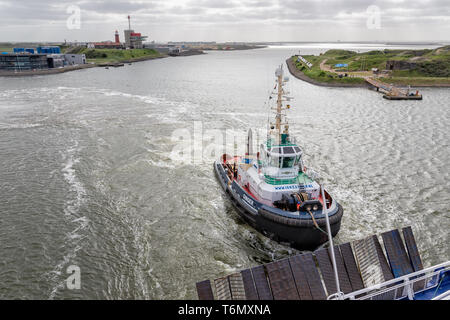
(400, 288)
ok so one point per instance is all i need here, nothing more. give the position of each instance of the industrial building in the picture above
(23, 50)
(55, 60)
(47, 58)
(49, 50)
(72, 59)
(104, 45)
(133, 40)
(107, 44)
(22, 62)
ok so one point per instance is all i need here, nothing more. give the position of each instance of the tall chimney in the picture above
(117, 40)
(129, 23)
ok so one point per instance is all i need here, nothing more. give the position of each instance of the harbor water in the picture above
(87, 178)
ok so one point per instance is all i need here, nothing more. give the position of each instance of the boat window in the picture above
(288, 162)
(297, 149)
(288, 150)
(275, 150)
(297, 160)
(275, 161)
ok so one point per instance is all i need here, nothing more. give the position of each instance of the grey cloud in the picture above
(324, 13)
(117, 6)
(215, 4)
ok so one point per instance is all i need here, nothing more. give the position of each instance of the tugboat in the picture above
(273, 191)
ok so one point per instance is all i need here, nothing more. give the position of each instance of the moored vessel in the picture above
(273, 191)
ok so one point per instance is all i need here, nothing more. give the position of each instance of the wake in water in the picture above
(115, 210)
(73, 239)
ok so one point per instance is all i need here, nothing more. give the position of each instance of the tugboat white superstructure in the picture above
(272, 189)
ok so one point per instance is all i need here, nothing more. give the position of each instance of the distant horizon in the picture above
(221, 20)
(434, 42)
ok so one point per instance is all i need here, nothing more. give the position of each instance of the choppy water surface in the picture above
(86, 176)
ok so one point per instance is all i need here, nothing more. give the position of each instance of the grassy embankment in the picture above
(100, 56)
(319, 75)
(432, 67)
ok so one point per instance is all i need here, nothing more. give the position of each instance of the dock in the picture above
(392, 92)
(309, 276)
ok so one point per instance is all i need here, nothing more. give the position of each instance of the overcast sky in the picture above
(229, 20)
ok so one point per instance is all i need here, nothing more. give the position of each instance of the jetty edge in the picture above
(297, 73)
(402, 68)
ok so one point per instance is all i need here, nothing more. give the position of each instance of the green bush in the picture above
(434, 68)
(338, 52)
(94, 54)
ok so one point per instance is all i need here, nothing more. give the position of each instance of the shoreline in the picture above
(188, 53)
(140, 59)
(238, 48)
(301, 76)
(40, 72)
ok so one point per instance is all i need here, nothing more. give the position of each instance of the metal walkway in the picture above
(386, 88)
(392, 92)
(309, 276)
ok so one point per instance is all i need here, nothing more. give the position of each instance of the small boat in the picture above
(403, 97)
(273, 191)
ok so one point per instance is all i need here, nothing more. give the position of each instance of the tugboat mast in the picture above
(279, 105)
(280, 94)
(274, 185)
